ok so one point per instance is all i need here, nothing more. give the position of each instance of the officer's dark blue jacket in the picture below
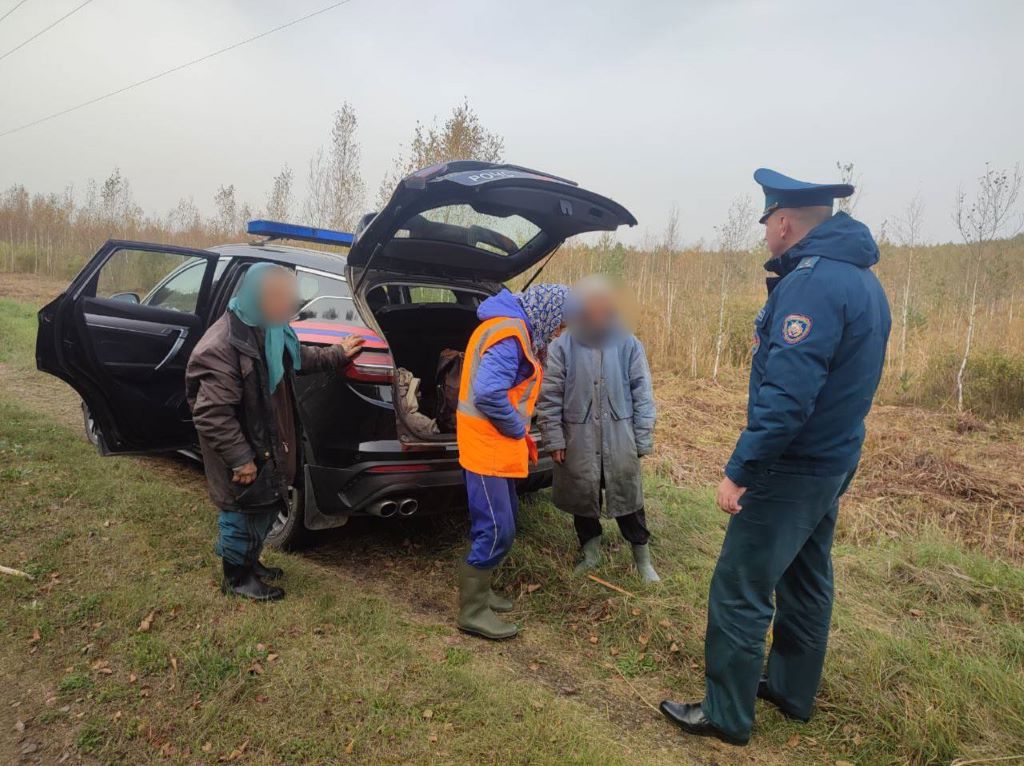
(819, 346)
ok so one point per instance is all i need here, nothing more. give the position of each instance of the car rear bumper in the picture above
(436, 483)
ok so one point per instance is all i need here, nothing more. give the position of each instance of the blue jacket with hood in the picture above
(819, 346)
(502, 366)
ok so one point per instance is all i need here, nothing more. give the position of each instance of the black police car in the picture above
(122, 332)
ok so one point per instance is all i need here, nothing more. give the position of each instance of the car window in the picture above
(461, 224)
(323, 298)
(424, 294)
(181, 290)
(167, 280)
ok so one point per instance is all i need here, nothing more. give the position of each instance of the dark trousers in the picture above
(779, 544)
(242, 535)
(633, 527)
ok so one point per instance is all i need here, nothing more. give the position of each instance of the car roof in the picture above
(321, 260)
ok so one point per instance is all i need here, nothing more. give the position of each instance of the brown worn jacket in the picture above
(226, 383)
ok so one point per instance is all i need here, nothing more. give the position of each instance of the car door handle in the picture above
(178, 343)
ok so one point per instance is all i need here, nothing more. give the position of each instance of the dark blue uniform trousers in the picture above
(779, 544)
(493, 505)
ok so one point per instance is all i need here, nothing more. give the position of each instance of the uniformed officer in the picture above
(819, 345)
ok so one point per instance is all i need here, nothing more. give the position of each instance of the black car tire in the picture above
(92, 429)
(289, 531)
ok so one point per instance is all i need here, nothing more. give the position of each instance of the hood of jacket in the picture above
(840, 238)
(504, 304)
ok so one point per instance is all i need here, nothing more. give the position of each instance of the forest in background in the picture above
(958, 330)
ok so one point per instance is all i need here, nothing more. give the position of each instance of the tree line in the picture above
(958, 330)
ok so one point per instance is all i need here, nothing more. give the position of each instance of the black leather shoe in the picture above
(240, 580)
(691, 719)
(764, 693)
(266, 573)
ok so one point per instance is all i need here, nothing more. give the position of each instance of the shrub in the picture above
(993, 383)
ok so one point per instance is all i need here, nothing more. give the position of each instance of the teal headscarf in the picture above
(278, 338)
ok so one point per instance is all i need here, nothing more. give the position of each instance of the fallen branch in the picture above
(15, 572)
(607, 584)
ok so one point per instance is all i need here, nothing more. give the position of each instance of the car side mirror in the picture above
(126, 297)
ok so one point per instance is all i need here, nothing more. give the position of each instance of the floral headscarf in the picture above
(545, 307)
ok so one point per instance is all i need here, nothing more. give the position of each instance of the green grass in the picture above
(926, 662)
(17, 333)
(351, 670)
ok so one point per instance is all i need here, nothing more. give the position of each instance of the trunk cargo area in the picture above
(417, 334)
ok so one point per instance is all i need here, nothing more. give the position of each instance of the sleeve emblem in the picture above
(795, 328)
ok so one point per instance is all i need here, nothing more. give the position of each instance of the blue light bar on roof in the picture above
(277, 230)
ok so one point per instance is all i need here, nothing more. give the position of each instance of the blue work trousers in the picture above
(492, 518)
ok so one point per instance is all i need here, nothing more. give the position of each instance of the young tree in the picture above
(347, 190)
(227, 209)
(279, 201)
(117, 206)
(990, 214)
(336, 191)
(907, 230)
(317, 208)
(185, 218)
(671, 240)
(847, 176)
(462, 137)
(734, 236)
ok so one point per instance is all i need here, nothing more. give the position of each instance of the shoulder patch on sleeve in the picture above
(808, 262)
(796, 327)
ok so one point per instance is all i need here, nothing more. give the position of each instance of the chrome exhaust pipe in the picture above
(408, 507)
(384, 509)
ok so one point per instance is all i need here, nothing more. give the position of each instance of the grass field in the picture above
(122, 650)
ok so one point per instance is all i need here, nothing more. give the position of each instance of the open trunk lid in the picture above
(479, 221)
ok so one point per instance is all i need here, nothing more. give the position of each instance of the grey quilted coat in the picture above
(597, 404)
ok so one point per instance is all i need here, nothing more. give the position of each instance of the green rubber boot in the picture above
(499, 603)
(642, 557)
(496, 601)
(591, 556)
(475, 615)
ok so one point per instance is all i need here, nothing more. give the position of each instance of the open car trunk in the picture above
(459, 227)
(418, 334)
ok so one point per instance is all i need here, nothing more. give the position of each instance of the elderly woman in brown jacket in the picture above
(240, 386)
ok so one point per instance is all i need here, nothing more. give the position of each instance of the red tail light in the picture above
(371, 367)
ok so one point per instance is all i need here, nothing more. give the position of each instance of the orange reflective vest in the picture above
(483, 448)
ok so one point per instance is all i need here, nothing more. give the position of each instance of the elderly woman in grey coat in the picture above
(596, 414)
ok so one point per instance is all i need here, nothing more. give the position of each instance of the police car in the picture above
(122, 332)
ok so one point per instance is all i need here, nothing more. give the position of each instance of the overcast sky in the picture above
(647, 102)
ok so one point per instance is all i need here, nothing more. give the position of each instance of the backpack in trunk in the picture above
(447, 379)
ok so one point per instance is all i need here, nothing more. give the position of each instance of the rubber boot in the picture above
(269, 574)
(642, 557)
(496, 601)
(591, 556)
(240, 580)
(475, 616)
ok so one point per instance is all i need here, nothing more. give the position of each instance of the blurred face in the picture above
(598, 310)
(279, 297)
